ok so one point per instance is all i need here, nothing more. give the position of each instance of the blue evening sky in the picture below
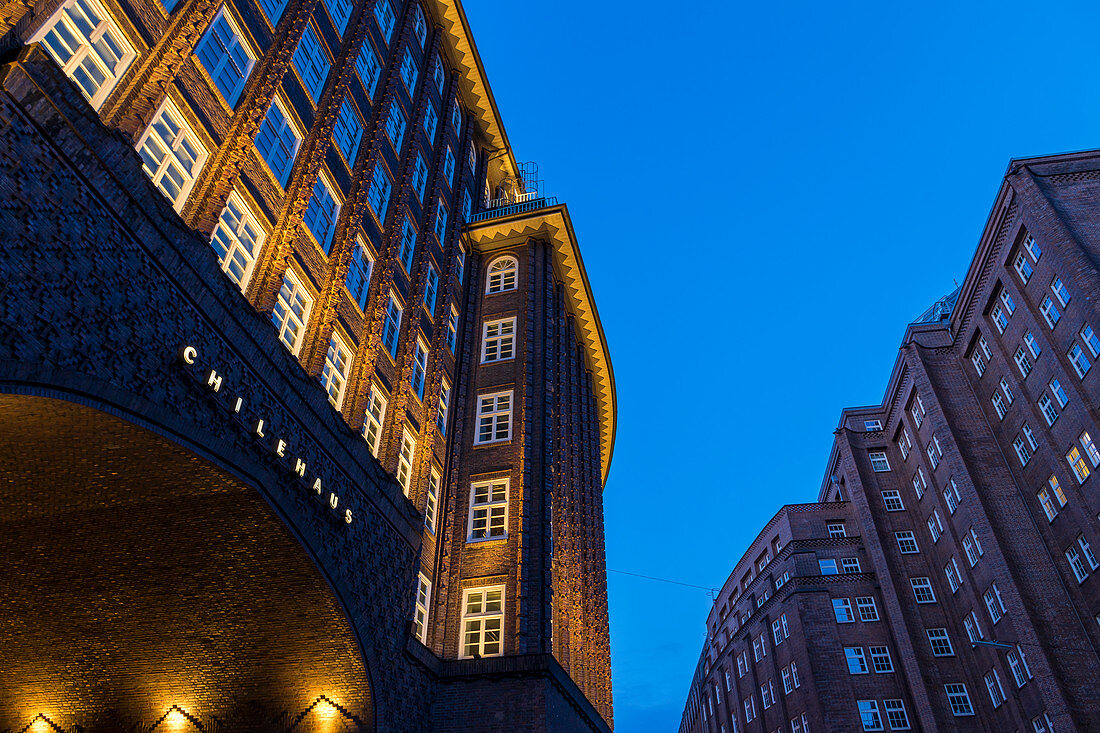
(764, 194)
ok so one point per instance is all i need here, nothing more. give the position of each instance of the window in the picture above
(1056, 492)
(1076, 563)
(994, 604)
(999, 405)
(502, 275)
(869, 715)
(420, 610)
(237, 240)
(88, 46)
(827, 567)
(1032, 248)
(767, 694)
(842, 610)
(977, 542)
(348, 131)
(494, 418)
(1048, 506)
(1059, 289)
(311, 63)
(432, 502)
(452, 329)
(322, 212)
(979, 363)
(857, 663)
(742, 664)
(794, 674)
(376, 415)
(431, 121)
(836, 529)
(971, 553)
(1010, 305)
(420, 368)
(879, 462)
(1032, 345)
(904, 441)
(369, 68)
(958, 699)
(431, 287)
(225, 56)
(444, 406)
(785, 675)
(1000, 320)
(850, 564)
(892, 500)
(984, 345)
(973, 628)
(1023, 267)
(438, 75)
(871, 426)
(750, 709)
(951, 497)
(1089, 337)
(408, 245)
(1086, 548)
(420, 176)
(1042, 724)
(449, 166)
(405, 459)
(171, 154)
(922, 590)
(460, 263)
(409, 71)
(868, 611)
(482, 614)
(383, 13)
(896, 715)
(497, 340)
(951, 570)
(763, 646)
(1047, 408)
(1022, 363)
(395, 126)
(1030, 436)
(940, 642)
(334, 376)
(935, 527)
(1077, 358)
(907, 542)
(1090, 448)
(1017, 662)
(358, 279)
(880, 659)
(1077, 463)
(421, 26)
(391, 326)
(933, 457)
(378, 196)
(917, 410)
(1022, 451)
(993, 685)
(1050, 312)
(440, 220)
(919, 483)
(488, 510)
(1059, 393)
(291, 312)
(278, 141)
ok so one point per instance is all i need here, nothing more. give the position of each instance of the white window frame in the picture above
(867, 608)
(879, 462)
(334, 377)
(959, 699)
(405, 457)
(298, 293)
(226, 56)
(431, 500)
(391, 325)
(940, 636)
(374, 418)
(186, 134)
(487, 519)
(313, 56)
(283, 175)
(493, 416)
(497, 337)
(231, 237)
(502, 275)
(420, 607)
(922, 588)
(485, 619)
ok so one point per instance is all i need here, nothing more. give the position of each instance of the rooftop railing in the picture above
(505, 208)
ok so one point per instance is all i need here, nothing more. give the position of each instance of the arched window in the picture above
(502, 275)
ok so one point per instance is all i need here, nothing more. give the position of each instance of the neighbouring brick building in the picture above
(965, 505)
(306, 405)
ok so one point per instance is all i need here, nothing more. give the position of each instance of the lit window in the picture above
(348, 131)
(88, 46)
(171, 154)
(420, 176)
(1023, 267)
(440, 220)
(431, 121)
(237, 240)
(311, 62)
(940, 642)
(409, 71)
(922, 590)
(896, 715)
(444, 406)
(869, 715)
(893, 501)
(335, 374)
(359, 271)
(431, 289)
(1059, 393)
(278, 141)
(494, 418)
(379, 194)
(842, 610)
(452, 329)
(1077, 358)
(291, 312)
(1090, 448)
(383, 13)
(431, 503)
(322, 212)
(1022, 362)
(907, 542)
(879, 461)
(376, 415)
(880, 659)
(225, 56)
(488, 510)
(482, 622)
(408, 244)
(420, 26)
(420, 368)
(420, 612)
(497, 340)
(958, 698)
(1050, 312)
(1077, 463)
(502, 275)
(395, 126)
(405, 459)
(369, 68)
(449, 166)
(391, 327)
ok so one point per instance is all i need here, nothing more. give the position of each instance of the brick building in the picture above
(275, 283)
(967, 497)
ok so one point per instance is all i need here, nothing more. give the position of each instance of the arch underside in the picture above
(135, 576)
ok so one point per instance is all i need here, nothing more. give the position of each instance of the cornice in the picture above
(553, 223)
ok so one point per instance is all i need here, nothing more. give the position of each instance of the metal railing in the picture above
(521, 207)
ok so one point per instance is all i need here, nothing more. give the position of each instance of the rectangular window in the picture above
(1010, 305)
(999, 405)
(409, 71)
(1032, 345)
(322, 212)
(871, 426)
(951, 570)
(892, 500)
(431, 287)
(444, 406)
(311, 62)
(785, 675)
(420, 176)
(1032, 248)
(1030, 436)
(482, 614)
(1023, 267)
(842, 610)
(836, 529)
(1058, 392)
(408, 244)
(494, 418)
(391, 327)
(1077, 463)
(440, 220)
(1086, 549)
(449, 166)
(405, 459)
(971, 553)
(868, 611)
(993, 686)
(291, 312)
(973, 628)
(1091, 340)
(950, 497)
(378, 196)
(456, 117)
(452, 329)
(959, 700)
(979, 363)
(89, 47)
(348, 131)
(383, 13)
(237, 240)
(460, 264)
(171, 154)
(420, 610)
(1022, 362)
(420, 26)
(278, 141)
(359, 271)
(993, 604)
(438, 75)
(767, 694)
(919, 483)
(1076, 563)
(896, 715)
(940, 642)
(369, 68)
(497, 340)
(907, 542)
(922, 590)
(1077, 358)
(869, 715)
(1047, 503)
(420, 368)
(375, 416)
(1022, 451)
(431, 122)
(334, 376)
(225, 55)
(933, 458)
(1000, 320)
(1059, 289)
(934, 528)
(1047, 408)
(1090, 448)
(850, 564)
(467, 205)
(488, 510)
(880, 659)
(827, 567)
(395, 126)
(1050, 312)
(879, 461)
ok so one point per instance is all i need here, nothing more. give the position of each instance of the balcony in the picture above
(524, 203)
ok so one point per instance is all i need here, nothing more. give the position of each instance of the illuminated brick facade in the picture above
(389, 286)
(970, 492)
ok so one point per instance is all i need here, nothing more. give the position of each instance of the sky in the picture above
(764, 194)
